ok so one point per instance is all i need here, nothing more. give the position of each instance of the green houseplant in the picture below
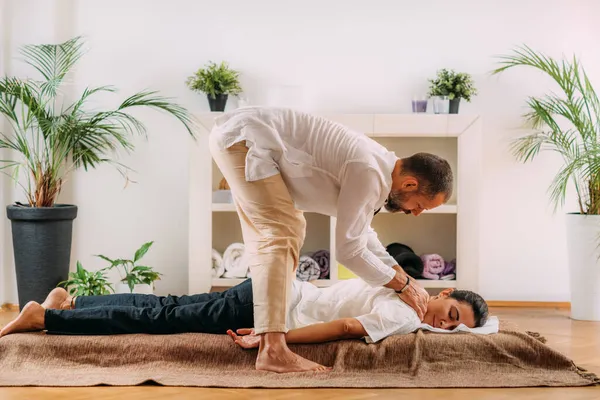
(134, 278)
(454, 85)
(49, 138)
(567, 122)
(217, 81)
(85, 283)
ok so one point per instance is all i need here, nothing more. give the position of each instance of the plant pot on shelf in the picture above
(42, 239)
(583, 233)
(454, 104)
(122, 287)
(217, 103)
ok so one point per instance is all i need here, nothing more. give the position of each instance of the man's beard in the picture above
(395, 202)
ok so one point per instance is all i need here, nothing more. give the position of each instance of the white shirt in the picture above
(328, 169)
(379, 310)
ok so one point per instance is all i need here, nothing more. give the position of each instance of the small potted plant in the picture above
(134, 278)
(85, 283)
(217, 81)
(454, 85)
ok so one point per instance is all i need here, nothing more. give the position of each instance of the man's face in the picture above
(411, 202)
(447, 313)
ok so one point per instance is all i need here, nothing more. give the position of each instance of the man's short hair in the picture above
(480, 307)
(433, 173)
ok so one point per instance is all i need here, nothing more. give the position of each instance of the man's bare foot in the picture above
(275, 356)
(31, 318)
(56, 299)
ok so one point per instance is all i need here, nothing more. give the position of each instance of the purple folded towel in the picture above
(433, 265)
(322, 258)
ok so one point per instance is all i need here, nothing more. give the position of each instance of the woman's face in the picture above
(447, 313)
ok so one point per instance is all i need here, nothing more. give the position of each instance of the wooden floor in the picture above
(578, 340)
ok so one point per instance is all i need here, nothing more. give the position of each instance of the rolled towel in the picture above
(218, 267)
(406, 258)
(322, 258)
(234, 261)
(449, 271)
(308, 269)
(433, 266)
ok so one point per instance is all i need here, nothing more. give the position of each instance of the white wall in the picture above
(349, 56)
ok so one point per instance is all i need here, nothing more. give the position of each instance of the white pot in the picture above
(583, 244)
(139, 289)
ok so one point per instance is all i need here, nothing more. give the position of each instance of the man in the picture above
(280, 161)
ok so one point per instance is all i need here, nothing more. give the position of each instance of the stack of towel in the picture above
(313, 266)
(232, 264)
(435, 267)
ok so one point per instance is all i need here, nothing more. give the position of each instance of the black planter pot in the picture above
(42, 246)
(217, 103)
(454, 103)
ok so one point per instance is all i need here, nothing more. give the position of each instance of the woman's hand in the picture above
(245, 338)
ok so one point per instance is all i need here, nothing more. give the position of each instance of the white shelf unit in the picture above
(451, 230)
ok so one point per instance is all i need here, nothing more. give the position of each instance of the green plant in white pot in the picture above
(47, 139)
(217, 81)
(454, 85)
(568, 122)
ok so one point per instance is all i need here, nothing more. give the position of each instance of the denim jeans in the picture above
(141, 313)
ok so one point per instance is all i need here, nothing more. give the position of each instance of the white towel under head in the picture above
(218, 267)
(492, 325)
(234, 261)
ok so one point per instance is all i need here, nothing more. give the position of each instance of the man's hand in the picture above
(245, 338)
(414, 295)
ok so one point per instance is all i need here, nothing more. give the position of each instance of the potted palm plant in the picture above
(47, 140)
(454, 85)
(217, 81)
(568, 122)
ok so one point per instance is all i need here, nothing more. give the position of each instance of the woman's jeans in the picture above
(142, 313)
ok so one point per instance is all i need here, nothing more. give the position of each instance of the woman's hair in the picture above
(480, 307)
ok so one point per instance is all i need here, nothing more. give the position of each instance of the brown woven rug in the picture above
(419, 360)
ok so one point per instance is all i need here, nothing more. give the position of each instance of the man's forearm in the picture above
(347, 328)
(399, 281)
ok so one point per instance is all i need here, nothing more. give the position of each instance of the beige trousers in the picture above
(273, 231)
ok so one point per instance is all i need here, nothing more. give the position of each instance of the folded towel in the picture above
(449, 270)
(234, 261)
(322, 258)
(491, 326)
(406, 258)
(433, 266)
(308, 269)
(218, 268)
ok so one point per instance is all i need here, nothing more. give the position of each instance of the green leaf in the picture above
(53, 137)
(105, 258)
(141, 252)
(566, 123)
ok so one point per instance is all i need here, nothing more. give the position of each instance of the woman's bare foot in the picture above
(57, 300)
(275, 356)
(31, 318)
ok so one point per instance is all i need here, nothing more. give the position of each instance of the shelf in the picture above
(444, 209)
(223, 207)
(229, 282)
(431, 284)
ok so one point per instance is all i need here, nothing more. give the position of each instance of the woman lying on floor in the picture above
(346, 310)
